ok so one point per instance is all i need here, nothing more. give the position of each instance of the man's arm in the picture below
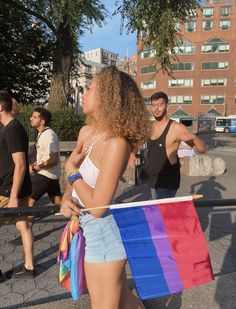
(53, 160)
(18, 177)
(191, 139)
(133, 161)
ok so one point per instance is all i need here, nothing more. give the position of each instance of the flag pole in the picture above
(144, 203)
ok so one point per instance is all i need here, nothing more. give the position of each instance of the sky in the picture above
(108, 37)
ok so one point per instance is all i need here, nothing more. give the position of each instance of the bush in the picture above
(24, 117)
(65, 122)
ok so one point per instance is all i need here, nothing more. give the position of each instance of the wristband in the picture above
(75, 171)
(73, 176)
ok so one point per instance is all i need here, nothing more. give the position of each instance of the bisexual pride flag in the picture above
(164, 244)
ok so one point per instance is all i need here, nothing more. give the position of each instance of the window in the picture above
(180, 99)
(148, 85)
(143, 34)
(208, 12)
(190, 26)
(185, 48)
(176, 26)
(215, 46)
(214, 82)
(149, 69)
(225, 11)
(193, 13)
(215, 65)
(147, 100)
(148, 52)
(225, 24)
(212, 99)
(207, 25)
(183, 66)
(180, 83)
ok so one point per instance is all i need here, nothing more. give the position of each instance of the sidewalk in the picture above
(219, 225)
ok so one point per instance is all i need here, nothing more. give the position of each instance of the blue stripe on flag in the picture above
(144, 262)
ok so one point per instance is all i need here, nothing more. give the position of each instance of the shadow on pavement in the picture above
(225, 290)
(221, 223)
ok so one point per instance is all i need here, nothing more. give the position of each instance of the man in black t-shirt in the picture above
(15, 183)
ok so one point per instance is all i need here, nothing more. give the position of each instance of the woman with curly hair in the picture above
(117, 124)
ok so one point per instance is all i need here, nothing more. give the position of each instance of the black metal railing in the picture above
(52, 209)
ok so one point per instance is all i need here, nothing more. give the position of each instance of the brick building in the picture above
(128, 65)
(204, 82)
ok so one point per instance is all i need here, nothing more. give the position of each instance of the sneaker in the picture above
(23, 273)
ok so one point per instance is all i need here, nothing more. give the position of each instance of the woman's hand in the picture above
(75, 160)
(68, 208)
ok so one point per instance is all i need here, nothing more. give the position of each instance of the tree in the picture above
(158, 19)
(24, 66)
(67, 21)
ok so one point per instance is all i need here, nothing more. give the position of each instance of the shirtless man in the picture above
(162, 145)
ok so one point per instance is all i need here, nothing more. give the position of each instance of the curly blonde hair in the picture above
(122, 107)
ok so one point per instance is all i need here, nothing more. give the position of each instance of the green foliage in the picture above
(25, 54)
(24, 118)
(158, 19)
(65, 122)
(67, 21)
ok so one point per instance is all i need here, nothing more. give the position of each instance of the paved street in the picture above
(219, 225)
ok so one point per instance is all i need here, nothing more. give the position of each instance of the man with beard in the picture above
(163, 143)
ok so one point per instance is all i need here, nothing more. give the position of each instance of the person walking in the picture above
(117, 123)
(46, 170)
(15, 184)
(162, 146)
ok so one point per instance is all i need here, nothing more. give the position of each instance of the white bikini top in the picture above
(88, 171)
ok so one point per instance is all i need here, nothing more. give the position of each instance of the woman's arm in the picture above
(113, 164)
(68, 207)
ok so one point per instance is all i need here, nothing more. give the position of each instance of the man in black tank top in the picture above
(162, 145)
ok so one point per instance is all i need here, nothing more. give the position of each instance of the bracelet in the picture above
(73, 176)
(75, 171)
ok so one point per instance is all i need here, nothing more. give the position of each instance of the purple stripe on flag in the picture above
(163, 249)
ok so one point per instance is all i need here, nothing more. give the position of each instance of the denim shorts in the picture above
(102, 238)
(159, 193)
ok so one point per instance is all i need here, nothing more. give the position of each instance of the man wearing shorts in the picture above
(15, 184)
(46, 170)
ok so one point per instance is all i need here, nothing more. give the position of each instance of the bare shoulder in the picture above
(117, 142)
(84, 132)
(178, 127)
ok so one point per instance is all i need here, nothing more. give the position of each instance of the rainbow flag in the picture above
(164, 244)
(71, 259)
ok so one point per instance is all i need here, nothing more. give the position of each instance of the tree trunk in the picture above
(62, 63)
